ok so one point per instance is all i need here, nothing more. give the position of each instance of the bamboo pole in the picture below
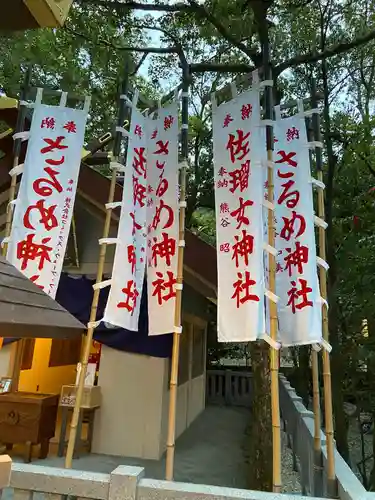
(318, 465)
(90, 330)
(16, 357)
(99, 278)
(328, 413)
(274, 353)
(20, 125)
(171, 436)
(316, 400)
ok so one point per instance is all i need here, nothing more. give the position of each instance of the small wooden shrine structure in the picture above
(28, 14)
(28, 312)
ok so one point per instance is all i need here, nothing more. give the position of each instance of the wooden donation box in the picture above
(28, 418)
(91, 400)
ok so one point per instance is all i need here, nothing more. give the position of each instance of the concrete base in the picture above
(133, 417)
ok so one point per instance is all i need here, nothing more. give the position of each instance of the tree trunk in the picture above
(371, 379)
(260, 431)
(341, 425)
(341, 421)
(303, 374)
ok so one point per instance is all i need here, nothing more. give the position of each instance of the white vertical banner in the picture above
(239, 153)
(300, 304)
(162, 219)
(45, 201)
(128, 272)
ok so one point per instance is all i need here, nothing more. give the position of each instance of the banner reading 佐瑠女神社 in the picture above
(297, 286)
(128, 272)
(44, 205)
(162, 219)
(239, 155)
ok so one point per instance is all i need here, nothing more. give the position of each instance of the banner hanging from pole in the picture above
(44, 206)
(239, 156)
(128, 272)
(300, 304)
(162, 219)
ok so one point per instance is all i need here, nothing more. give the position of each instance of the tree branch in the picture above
(193, 7)
(147, 50)
(126, 6)
(330, 52)
(141, 61)
(177, 45)
(220, 68)
(222, 30)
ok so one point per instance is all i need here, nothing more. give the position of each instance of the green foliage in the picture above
(79, 58)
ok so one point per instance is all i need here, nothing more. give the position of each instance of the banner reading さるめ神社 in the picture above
(45, 201)
(162, 219)
(297, 286)
(239, 157)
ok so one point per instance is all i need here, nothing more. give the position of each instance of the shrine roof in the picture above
(28, 312)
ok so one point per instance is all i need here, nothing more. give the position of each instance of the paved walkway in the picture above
(209, 452)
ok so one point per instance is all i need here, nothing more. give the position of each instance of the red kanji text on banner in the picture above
(300, 304)
(162, 219)
(45, 201)
(239, 154)
(128, 272)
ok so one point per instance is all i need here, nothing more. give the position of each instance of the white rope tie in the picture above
(102, 284)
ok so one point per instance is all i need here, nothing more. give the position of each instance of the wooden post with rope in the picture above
(328, 412)
(17, 351)
(274, 353)
(171, 435)
(99, 278)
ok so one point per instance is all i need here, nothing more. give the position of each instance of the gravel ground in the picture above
(355, 447)
(290, 478)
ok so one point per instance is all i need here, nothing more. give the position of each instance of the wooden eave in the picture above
(27, 312)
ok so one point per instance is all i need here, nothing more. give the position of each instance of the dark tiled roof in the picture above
(26, 311)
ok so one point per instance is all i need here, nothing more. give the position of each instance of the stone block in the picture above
(5, 470)
(124, 481)
(93, 485)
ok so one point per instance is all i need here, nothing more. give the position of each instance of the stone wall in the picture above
(125, 483)
(299, 427)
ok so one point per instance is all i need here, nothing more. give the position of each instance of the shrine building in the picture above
(133, 368)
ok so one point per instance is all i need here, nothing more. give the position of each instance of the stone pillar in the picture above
(123, 482)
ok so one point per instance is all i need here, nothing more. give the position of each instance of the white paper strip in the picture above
(299, 307)
(162, 219)
(17, 170)
(239, 153)
(46, 196)
(124, 299)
